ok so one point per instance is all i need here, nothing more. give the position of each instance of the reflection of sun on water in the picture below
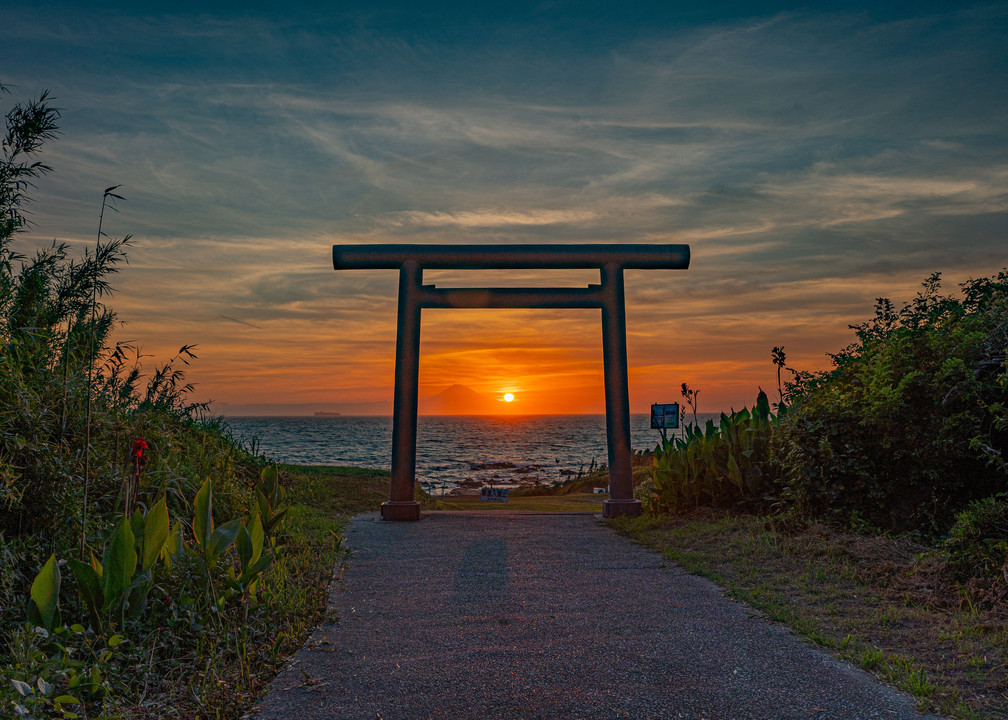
(508, 397)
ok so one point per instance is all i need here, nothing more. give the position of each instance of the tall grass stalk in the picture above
(91, 359)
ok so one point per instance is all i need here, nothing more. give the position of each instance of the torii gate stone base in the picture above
(608, 296)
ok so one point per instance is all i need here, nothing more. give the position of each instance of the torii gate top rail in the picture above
(511, 257)
(411, 260)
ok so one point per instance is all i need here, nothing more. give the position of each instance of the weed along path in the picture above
(548, 617)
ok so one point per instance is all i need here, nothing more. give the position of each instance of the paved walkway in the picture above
(553, 617)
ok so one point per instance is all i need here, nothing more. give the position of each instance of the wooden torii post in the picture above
(608, 296)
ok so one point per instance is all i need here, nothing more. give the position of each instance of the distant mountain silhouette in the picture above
(459, 400)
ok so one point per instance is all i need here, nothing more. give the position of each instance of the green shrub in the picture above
(977, 544)
(903, 430)
(725, 465)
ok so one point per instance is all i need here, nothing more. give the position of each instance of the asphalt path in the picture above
(523, 616)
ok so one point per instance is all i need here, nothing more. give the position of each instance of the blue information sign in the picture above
(665, 416)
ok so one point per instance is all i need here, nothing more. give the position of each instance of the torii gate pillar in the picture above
(608, 296)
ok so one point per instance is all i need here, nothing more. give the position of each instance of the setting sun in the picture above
(508, 397)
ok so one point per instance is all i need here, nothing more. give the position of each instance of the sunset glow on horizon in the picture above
(813, 161)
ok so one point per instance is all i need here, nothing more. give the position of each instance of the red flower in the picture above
(139, 445)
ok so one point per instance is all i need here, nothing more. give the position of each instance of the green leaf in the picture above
(115, 640)
(221, 539)
(137, 525)
(66, 700)
(203, 513)
(734, 472)
(45, 594)
(173, 545)
(244, 544)
(136, 594)
(259, 566)
(762, 409)
(264, 505)
(258, 535)
(275, 521)
(269, 476)
(118, 564)
(89, 589)
(156, 530)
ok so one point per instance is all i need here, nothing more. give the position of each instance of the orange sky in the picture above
(550, 360)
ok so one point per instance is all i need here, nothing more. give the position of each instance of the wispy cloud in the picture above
(813, 161)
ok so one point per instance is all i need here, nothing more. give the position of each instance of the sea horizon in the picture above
(505, 450)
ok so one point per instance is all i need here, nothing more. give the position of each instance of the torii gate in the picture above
(411, 260)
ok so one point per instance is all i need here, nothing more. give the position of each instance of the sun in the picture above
(508, 397)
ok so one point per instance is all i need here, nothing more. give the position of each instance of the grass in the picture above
(881, 602)
(225, 672)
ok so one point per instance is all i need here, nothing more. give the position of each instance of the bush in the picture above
(73, 409)
(724, 465)
(977, 544)
(905, 430)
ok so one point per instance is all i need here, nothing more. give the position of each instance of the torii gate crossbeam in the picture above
(608, 296)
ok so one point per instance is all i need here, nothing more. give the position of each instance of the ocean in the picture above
(451, 450)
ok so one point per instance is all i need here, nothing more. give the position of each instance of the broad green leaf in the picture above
(244, 544)
(269, 477)
(258, 535)
(762, 409)
(118, 564)
(89, 589)
(734, 472)
(259, 566)
(275, 521)
(221, 539)
(137, 525)
(264, 505)
(173, 545)
(156, 530)
(203, 513)
(45, 594)
(136, 594)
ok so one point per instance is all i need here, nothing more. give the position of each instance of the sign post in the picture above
(608, 296)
